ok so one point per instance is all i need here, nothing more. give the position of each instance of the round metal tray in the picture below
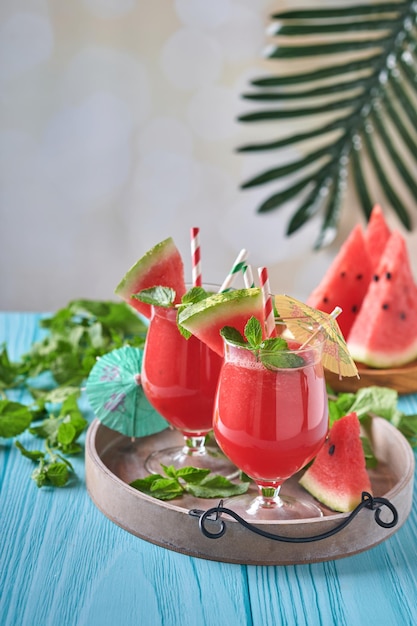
(112, 461)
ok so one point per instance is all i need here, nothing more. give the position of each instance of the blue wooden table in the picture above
(62, 562)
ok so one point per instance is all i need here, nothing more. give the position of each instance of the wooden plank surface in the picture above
(63, 562)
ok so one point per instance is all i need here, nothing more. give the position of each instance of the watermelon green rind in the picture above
(384, 334)
(337, 477)
(205, 319)
(162, 266)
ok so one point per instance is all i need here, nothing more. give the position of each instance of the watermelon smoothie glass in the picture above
(179, 378)
(271, 421)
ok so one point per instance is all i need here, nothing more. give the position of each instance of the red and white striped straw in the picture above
(196, 257)
(267, 302)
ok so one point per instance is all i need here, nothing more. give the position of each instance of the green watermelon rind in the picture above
(206, 318)
(135, 278)
(380, 359)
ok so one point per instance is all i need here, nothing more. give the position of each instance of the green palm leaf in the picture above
(369, 100)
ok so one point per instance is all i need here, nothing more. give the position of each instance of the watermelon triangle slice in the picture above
(346, 281)
(162, 266)
(376, 236)
(337, 477)
(205, 319)
(385, 331)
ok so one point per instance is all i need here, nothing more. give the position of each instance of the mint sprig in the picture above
(272, 352)
(157, 296)
(200, 483)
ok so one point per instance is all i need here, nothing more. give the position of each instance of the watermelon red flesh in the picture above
(376, 236)
(338, 476)
(385, 331)
(162, 266)
(346, 281)
(206, 318)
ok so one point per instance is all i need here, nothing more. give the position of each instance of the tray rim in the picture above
(94, 465)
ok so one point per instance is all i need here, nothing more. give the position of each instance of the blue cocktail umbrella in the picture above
(116, 396)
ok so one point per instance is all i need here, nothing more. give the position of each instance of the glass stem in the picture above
(194, 446)
(269, 495)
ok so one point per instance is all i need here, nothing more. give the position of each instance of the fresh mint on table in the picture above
(52, 373)
(273, 352)
(200, 483)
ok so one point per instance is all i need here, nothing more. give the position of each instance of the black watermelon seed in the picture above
(403, 315)
(385, 306)
(354, 308)
(331, 449)
(359, 276)
(325, 299)
(376, 278)
(342, 274)
(388, 275)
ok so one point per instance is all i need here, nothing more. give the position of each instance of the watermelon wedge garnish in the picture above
(385, 331)
(206, 318)
(337, 477)
(162, 266)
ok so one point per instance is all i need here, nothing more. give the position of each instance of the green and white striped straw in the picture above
(236, 268)
(248, 276)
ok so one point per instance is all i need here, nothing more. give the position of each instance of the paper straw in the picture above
(248, 276)
(267, 302)
(236, 268)
(196, 257)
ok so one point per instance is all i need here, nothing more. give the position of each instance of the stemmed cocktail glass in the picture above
(179, 378)
(271, 419)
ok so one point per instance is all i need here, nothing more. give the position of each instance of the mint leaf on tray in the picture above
(198, 482)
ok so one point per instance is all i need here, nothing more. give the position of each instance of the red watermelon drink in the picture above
(179, 378)
(271, 419)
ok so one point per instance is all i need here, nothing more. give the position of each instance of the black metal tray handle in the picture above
(368, 502)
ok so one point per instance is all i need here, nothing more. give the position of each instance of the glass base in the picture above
(182, 456)
(280, 508)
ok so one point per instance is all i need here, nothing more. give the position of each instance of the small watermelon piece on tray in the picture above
(338, 476)
(162, 266)
(385, 331)
(205, 319)
(346, 281)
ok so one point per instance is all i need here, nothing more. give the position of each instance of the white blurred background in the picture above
(118, 129)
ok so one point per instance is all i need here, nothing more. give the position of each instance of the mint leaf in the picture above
(196, 481)
(193, 295)
(157, 486)
(15, 418)
(253, 332)
(232, 335)
(157, 296)
(33, 455)
(274, 353)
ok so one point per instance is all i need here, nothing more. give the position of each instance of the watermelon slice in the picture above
(337, 477)
(376, 236)
(346, 281)
(205, 319)
(385, 331)
(162, 266)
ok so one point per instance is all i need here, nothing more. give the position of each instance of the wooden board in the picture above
(112, 461)
(402, 379)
